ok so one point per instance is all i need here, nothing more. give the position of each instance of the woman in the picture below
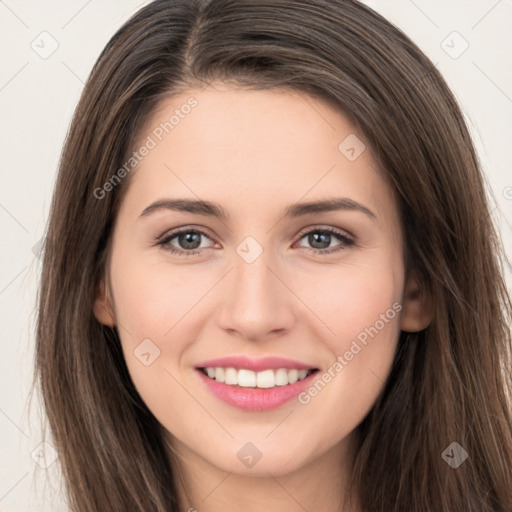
(272, 280)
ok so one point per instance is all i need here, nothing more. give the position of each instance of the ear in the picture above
(417, 312)
(103, 310)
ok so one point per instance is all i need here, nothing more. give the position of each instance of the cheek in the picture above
(151, 299)
(155, 308)
(362, 311)
(350, 299)
(149, 303)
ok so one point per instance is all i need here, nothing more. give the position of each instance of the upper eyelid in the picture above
(332, 229)
(186, 229)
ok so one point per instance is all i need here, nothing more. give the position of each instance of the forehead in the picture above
(254, 148)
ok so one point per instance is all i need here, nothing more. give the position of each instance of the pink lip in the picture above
(256, 399)
(256, 365)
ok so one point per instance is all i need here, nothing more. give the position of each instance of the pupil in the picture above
(188, 238)
(322, 238)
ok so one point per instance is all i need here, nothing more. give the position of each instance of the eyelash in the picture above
(164, 241)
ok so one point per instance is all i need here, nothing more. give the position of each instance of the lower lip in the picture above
(256, 399)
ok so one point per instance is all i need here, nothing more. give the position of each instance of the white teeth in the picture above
(246, 378)
(219, 374)
(293, 376)
(249, 379)
(231, 376)
(282, 377)
(265, 379)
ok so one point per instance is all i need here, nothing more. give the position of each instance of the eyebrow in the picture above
(295, 210)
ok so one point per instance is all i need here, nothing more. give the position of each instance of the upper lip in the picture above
(256, 365)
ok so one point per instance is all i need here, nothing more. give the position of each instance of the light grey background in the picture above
(38, 93)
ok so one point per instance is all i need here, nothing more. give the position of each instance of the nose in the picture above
(257, 301)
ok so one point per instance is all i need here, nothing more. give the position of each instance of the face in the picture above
(285, 290)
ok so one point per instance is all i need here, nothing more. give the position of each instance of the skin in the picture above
(255, 152)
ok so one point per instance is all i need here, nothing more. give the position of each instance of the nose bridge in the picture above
(253, 279)
(256, 301)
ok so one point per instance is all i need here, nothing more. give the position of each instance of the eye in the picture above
(320, 239)
(188, 241)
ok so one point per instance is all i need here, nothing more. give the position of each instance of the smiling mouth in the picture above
(265, 379)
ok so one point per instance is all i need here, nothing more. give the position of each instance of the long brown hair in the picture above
(449, 383)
